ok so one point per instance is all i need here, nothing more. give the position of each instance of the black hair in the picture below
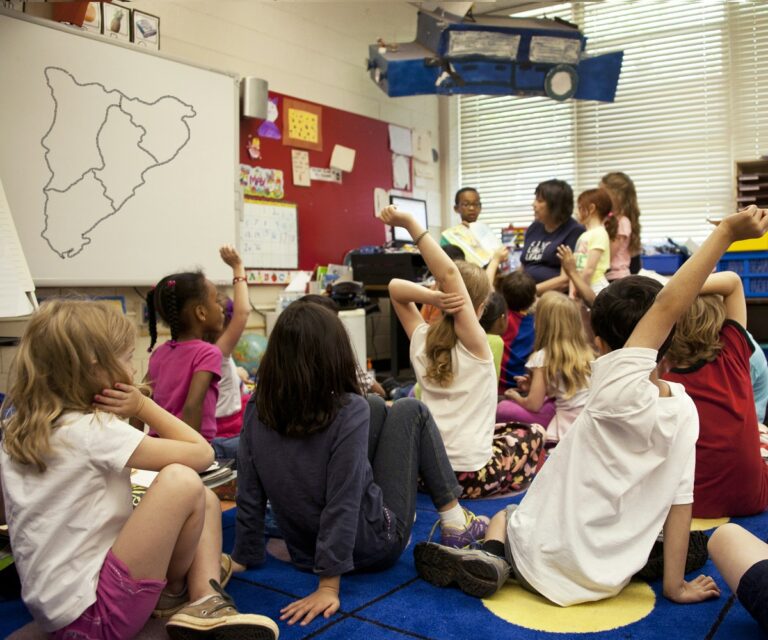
(169, 298)
(457, 197)
(305, 372)
(559, 198)
(454, 253)
(324, 301)
(619, 307)
(495, 307)
(519, 290)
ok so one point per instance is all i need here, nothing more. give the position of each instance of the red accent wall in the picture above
(333, 218)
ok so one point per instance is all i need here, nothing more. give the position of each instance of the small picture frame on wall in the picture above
(116, 22)
(92, 20)
(16, 5)
(145, 30)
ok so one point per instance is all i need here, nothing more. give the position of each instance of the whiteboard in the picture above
(269, 235)
(119, 164)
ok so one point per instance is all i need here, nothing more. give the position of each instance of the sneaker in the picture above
(169, 603)
(217, 617)
(477, 573)
(470, 535)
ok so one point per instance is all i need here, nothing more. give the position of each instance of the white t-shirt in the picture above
(465, 412)
(230, 398)
(566, 409)
(592, 514)
(63, 521)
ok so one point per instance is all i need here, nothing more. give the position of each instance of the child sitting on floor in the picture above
(710, 353)
(519, 291)
(559, 367)
(594, 511)
(90, 565)
(454, 367)
(339, 470)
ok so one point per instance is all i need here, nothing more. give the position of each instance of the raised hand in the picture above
(751, 222)
(391, 216)
(230, 256)
(567, 259)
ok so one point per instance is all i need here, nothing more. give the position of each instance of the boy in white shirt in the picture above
(624, 470)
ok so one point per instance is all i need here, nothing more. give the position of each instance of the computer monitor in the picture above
(417, 208)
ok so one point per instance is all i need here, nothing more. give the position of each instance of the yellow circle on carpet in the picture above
(518, 606)
(705, 524)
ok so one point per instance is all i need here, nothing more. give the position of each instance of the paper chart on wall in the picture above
(269, 235)
(17, 291)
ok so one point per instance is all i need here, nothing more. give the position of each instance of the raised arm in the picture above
(680, 292)
(568, 263)
(449, 280)
(728, 284)
(240, 303)
(500, 255)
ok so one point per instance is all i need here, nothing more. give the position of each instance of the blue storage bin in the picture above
(752, 266)
(664, 263)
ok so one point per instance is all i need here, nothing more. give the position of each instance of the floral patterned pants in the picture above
(513, 463)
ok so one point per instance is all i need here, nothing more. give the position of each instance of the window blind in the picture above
(690, 102)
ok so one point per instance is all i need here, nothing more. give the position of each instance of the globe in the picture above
(248, 352)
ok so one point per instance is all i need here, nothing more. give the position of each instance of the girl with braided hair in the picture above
(184, 371)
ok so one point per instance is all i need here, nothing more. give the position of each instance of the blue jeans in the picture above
(403, 445)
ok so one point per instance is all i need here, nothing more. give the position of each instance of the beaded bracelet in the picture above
(237, 279)
(419, 237)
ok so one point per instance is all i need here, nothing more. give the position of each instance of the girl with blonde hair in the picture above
(65, 466)
(625, 240)
(559, 366)
(454, 366)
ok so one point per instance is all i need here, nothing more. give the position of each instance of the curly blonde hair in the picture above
(69, 351)
(697, 333)
(560, 333)
(441, 336)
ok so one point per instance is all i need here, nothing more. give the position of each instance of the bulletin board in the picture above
(332, 218)
(269, 235)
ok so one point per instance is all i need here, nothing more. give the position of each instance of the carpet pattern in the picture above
(397, 604)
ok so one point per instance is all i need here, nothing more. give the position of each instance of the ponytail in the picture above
(441, 339)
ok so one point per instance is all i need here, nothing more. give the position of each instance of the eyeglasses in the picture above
(471, 205)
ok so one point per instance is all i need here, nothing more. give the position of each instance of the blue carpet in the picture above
(396, 604)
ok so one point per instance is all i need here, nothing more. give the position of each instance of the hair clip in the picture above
(610, 214)
(170, 283)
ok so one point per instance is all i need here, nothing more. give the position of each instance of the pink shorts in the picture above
(123, 605)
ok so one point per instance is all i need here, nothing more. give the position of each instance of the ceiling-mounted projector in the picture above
(494, 55)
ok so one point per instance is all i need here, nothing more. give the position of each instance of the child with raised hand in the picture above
(340, 470)
(184, 371)
(710, 355)
(591, 517)
(229, 405)
(742, 559)
(455, 369)
(65, 465)
(559, 366)
(593, 252)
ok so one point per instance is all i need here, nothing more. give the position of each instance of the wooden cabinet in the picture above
(752, 183)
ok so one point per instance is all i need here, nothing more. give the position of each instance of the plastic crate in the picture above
(663, 263)
(752, 266)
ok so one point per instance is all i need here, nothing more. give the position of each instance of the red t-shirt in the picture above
(731, 477)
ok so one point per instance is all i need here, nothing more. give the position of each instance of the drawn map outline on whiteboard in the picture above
(97, 180)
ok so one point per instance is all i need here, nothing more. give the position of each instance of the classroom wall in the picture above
(310, 50)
